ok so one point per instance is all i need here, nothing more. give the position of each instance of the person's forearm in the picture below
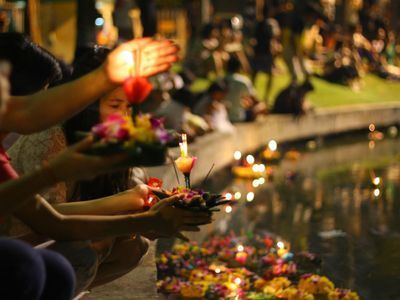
(116, 204)
(15, 193)
(44, 109)
(97, 227)
(45, 220)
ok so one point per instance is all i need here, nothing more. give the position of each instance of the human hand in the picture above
(134, 200)
(73, 164)
(156, 57)
(152, 236)
(169, 221)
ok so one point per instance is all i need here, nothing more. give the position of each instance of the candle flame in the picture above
(183, 145)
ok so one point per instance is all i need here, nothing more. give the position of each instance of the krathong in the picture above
(194, 199)
(211, 270)
(271, 153)
(143, 137)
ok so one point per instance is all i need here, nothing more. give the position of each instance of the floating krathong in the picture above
(241, 268)
(271, 153)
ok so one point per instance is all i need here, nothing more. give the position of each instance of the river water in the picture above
(329, 201)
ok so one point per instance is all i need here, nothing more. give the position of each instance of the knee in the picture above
(60, 277)
(140, 249)
(83, 260)
(143, 245)
(21, 266)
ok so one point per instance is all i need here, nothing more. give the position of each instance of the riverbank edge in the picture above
(218, 148)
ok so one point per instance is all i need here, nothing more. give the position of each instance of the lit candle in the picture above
(241, 257)
(237, 156)
(282, 248)
(185, 163)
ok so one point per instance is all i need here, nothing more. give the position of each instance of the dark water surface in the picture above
(326, 202)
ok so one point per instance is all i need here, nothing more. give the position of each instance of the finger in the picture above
(190, 214)
(180, 236)
(154, 189)
(156, 46)
(134, 44)
(196, 221)
(110, 163)
(161, 51)
(171, 200)
(190, 228)
(83, 145)
(155, 70)
(158, 61)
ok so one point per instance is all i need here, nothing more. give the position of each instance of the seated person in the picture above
(212, 108)
(292, 99)
(177, 112)
(241, 99)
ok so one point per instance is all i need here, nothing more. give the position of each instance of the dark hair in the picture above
(218, 86)
(104, 185)
(33, 67)
(233, 65)
(207, 30)
(307, 86)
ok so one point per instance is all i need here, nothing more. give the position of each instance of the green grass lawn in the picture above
(373, 90)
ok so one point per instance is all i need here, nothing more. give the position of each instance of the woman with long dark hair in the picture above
(120, 255)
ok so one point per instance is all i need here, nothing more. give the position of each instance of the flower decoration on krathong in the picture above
(194, 199)
(115, 129)
(123, 129)
(142, 138)
(136, 87)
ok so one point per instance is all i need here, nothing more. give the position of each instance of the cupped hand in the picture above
(74, 164)
(156, 57)
(169, 221)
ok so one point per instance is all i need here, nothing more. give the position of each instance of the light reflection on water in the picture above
(330, 205)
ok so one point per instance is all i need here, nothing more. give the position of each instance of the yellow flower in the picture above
(259, 284)
(144, 135)
(338, 295)
(143, 121)
(316, 284)
(292, 293)
(197, 291)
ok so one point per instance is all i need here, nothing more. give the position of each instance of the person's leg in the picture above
(60, 276)
(126, 255)
(83, 259)
(22, 272)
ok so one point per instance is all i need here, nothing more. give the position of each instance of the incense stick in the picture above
(175, 170)
(208, 174)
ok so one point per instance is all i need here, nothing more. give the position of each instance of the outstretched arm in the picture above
(28, 114)
(129, 201)
(163, 219)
